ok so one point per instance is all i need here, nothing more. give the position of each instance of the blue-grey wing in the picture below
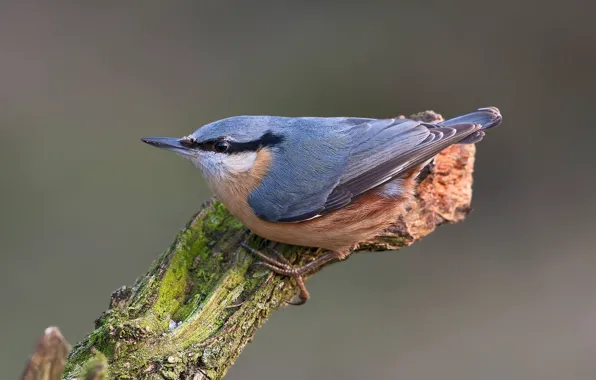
(326, 166)
(387, 153)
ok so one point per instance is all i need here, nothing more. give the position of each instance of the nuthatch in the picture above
(325, 182)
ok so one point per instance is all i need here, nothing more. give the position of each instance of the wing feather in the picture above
(326, 163)
(404, 160)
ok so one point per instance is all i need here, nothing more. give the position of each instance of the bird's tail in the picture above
(487, 117)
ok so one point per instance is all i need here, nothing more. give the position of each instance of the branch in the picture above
(201, 302)
(47, 363)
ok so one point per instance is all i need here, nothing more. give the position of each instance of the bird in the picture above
(322, 182)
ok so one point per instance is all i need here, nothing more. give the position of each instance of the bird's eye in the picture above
(221, 146)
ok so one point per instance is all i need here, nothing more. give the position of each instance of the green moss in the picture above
(99, 341)
(194, 268)
(175, 280)
(97, 366)
(223, 213)
(212, 313)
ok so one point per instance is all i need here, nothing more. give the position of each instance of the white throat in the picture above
(239, 162)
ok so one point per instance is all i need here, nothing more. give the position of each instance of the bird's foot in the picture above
(282, 266)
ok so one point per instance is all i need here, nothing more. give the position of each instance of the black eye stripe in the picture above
(207, 145)
(267, 140)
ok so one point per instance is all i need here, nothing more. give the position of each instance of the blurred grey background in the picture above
(85, 206)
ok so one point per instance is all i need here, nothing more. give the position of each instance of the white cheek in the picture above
(239, 163)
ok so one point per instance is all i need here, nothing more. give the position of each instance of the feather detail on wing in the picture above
(326, 163)
(406, 156)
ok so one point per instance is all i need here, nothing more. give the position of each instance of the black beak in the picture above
(168, 143)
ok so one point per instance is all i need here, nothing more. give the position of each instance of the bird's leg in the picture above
(284, 267)
(308, 267)
(304, 293)
(281, 263)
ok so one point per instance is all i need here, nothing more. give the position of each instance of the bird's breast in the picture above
(362, 220)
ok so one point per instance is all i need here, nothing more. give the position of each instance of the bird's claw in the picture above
(283, 267)
(282, 263)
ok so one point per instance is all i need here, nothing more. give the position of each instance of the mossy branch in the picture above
(201, 302)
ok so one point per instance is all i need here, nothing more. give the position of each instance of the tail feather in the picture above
(474, 138)
(487, 117)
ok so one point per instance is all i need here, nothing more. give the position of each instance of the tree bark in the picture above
(47, 363)
(201, 302)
